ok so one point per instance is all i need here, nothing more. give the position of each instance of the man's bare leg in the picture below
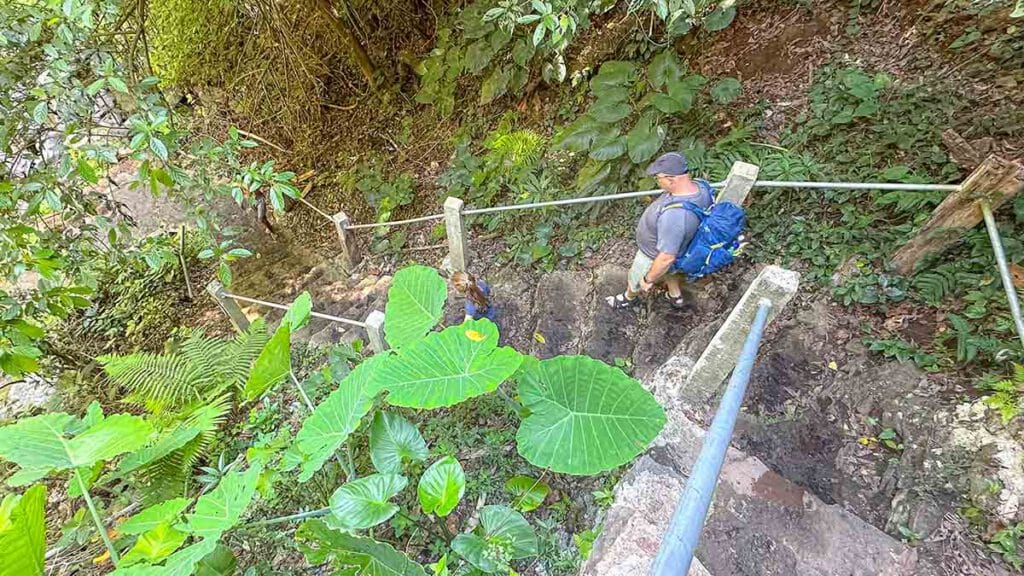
(674, 282)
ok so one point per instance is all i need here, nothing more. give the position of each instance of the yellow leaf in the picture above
(475, 336)
(832, 365)
(539, 337)
(864, 441)
(102, 558)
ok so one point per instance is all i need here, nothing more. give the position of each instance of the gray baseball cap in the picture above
(672, 164)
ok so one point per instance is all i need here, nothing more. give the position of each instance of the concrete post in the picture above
(230, 307)
(775, 284)
(738, 184)
(456, 233)
(349, 250)
(375, 331)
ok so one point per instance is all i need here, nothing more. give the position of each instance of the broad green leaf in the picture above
(720, 18)
(592, 175)
(298, 313)
(364, 503)
(448, 367)
(665, 103)
(415, 304)
(86, 171)
(394, 439)
(165, 444)
(158, 147)
(155, 545)
(585, 416)
(1018, 11)
(154, 516)
(664, 66)
(726, 90)
(608, 148)
(352, 555)
(42, 441)
(220, 509)
(442, 486)
(26, 476)
(183, 562)
(684, 90)
(272, 365)
(613, 73)
(23, 533)
(645, 139)
(527, 493)
(494, 86)
(609, 111)
(330, 424)
(503, 536)
(579, 135)
(220, 562)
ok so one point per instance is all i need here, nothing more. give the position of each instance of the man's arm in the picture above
(662, 264)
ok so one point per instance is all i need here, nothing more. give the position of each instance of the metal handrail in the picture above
(284, 307)
(396, 222)
(680, 543)
(1004, 269)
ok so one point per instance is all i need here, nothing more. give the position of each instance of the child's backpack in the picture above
(718, 240)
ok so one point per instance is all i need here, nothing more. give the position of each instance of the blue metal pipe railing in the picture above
(680, 543)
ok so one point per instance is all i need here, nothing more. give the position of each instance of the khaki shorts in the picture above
(641, 266)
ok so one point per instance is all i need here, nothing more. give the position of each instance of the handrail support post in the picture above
(456, 231)
(375, 331)
(238, 318)
(349, 250)
(1004, 268)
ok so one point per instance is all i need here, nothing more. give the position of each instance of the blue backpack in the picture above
(718, 239)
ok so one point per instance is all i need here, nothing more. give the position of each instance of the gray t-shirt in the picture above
(670, 230)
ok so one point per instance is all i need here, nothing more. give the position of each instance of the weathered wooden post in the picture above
(995, 181)
(739, 183)
(456, 232)
(238, 318)
(375, 331)
(349, 250)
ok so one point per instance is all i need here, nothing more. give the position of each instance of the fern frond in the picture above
(242, 353)
(155, 380)
(910, 200)
(170, 476)
(935, 285)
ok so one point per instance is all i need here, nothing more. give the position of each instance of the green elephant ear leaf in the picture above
(298, 313)
(221, 508)
(645, 139)
(331, 423)
(726, 90)
(527, 493)
(720, 18)
(42, 442)
(220, 562)
(272, 365)
(612, 74)
(662, 67)
(154, 545)
(442, 486)
(154, 516)
(394, 439)
(352, 554)
(23, 532)
(448, 367)
(585, 416)
(365, 503)
(415, 305)
(503, 536)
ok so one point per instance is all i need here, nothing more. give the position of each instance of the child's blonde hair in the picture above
(466, 284)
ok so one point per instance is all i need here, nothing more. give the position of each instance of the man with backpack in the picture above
(665, 232)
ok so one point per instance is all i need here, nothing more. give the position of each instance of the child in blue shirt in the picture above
(477, 294)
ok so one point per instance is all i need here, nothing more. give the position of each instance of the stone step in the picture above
(561, 307)
(760, 523)
(611, 335)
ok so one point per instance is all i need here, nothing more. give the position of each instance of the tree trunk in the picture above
(356, 50)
